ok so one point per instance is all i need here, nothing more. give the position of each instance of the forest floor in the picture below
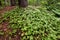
(15, 22)
(8, 8)
(2, 11)
(4, 24)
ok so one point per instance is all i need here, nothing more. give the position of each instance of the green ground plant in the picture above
(36, 23)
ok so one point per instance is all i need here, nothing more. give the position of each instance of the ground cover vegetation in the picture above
(39, 21)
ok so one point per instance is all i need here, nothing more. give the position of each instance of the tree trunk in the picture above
(6, 2)
(0, 3)
(13, 2)
(22, 3)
